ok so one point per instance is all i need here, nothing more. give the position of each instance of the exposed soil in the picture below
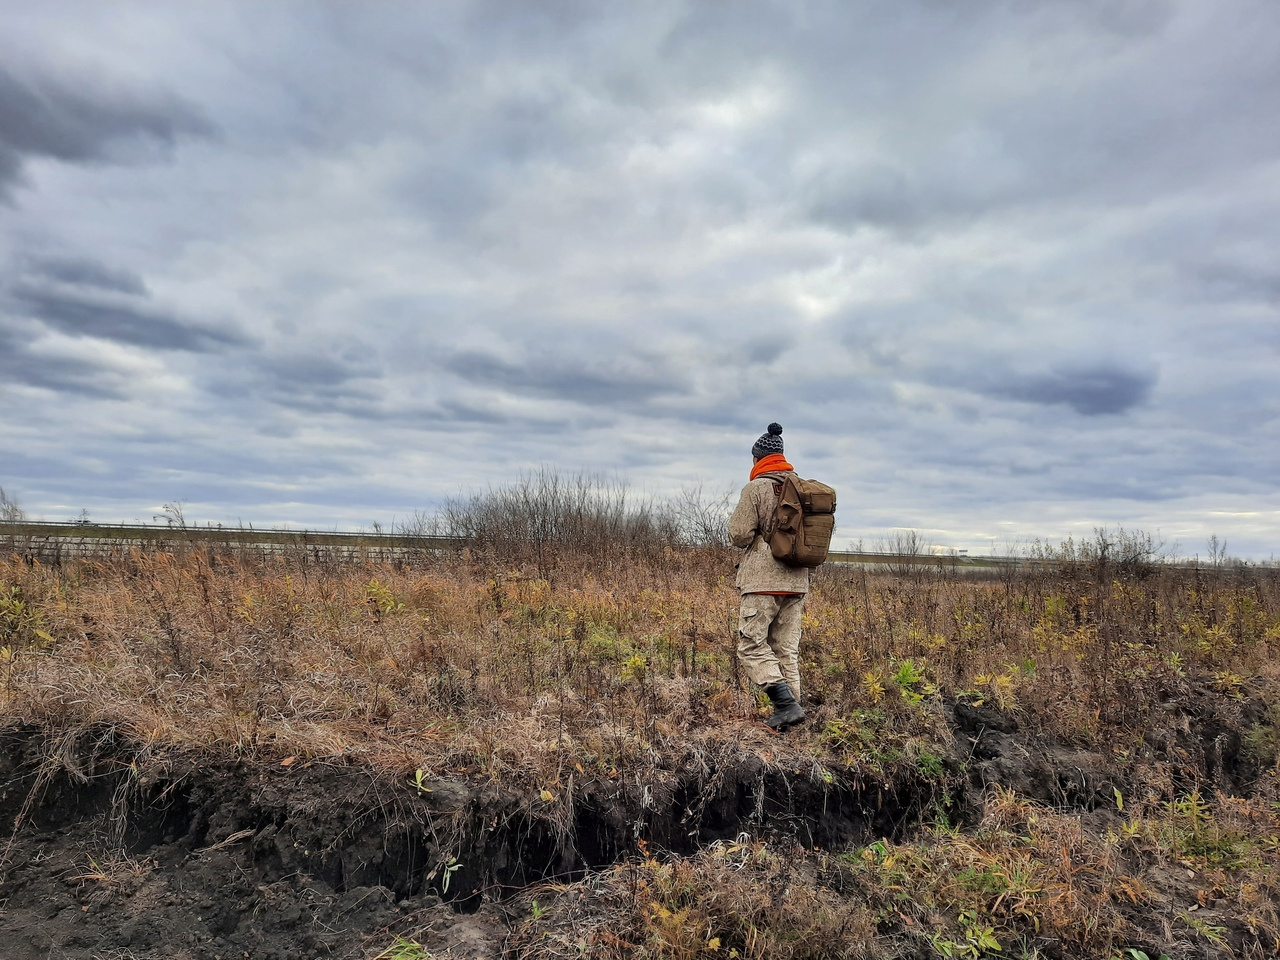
(114, 855)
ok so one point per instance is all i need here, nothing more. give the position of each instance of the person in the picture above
(772, 592)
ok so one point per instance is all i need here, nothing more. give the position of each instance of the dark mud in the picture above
(116, 855)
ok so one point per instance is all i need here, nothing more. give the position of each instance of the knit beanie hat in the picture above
(768, 443)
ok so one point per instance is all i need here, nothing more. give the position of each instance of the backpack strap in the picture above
(776, 478)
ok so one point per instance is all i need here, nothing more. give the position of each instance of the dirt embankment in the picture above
(114, 855)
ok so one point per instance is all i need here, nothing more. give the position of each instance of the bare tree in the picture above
(9, 509)
(1217, 551)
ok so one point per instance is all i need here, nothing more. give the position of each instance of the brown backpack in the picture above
(803, 521)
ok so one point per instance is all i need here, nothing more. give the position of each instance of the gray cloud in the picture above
(1092, 391)
(19, 365)
(1226, 282)
(81, 297)
(878, 195)
(454, 416)
(88, 123)
(80, 271)
(82, 314)
(603, 378)
(347, 382)
(767, 349)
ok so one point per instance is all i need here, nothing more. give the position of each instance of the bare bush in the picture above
(172, 515)
(545, 511)
(546, 514)
(421, 524)
(702, 517)
(1110, 554)
(903, 543)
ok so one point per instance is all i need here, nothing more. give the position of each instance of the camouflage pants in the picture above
(769, 638)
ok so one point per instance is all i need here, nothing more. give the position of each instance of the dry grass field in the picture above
(554, 755)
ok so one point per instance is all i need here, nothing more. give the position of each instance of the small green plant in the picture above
(635, 667)
(910, 681)
(1130, 830)
(1190, 829)
(977, 939)
(380, 599)
(420, 781)
(447, 870)
(867, 735)
(930, 766)
(1214, 934)
(20, 622)
(403, 949)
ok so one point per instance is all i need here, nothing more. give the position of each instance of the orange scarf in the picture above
(773, 463)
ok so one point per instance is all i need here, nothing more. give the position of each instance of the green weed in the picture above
(403, 949)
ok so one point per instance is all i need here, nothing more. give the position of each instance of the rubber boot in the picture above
(787, 711)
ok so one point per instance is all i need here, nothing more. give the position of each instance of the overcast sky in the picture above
(1001, 269)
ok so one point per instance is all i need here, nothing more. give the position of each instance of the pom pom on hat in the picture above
(770, 442)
